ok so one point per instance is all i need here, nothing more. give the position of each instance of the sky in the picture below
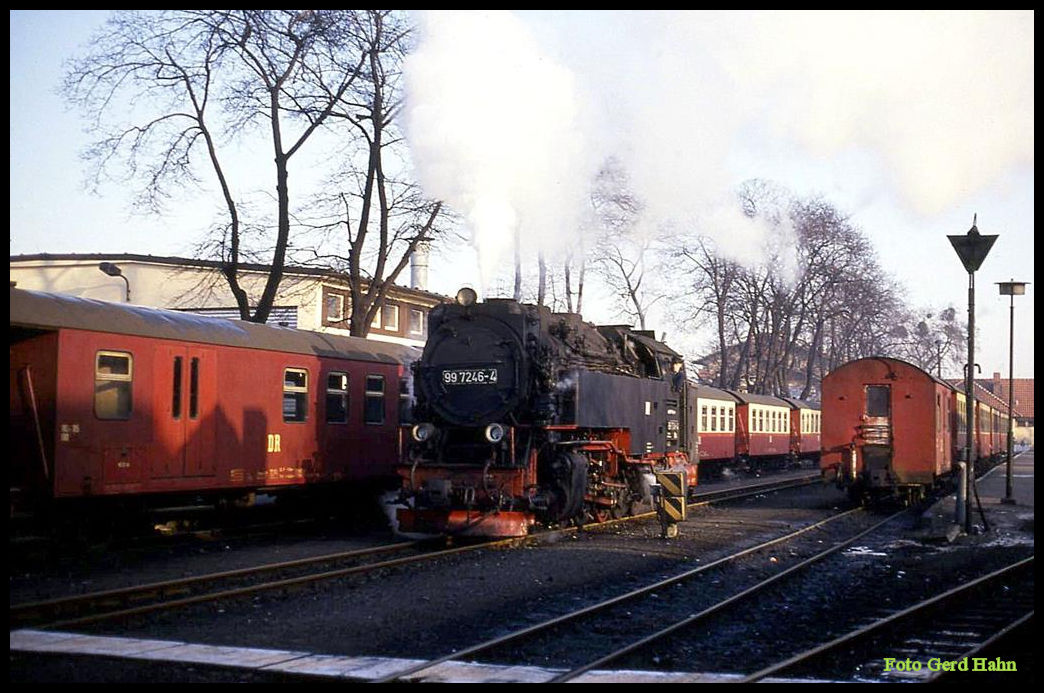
(911, 123)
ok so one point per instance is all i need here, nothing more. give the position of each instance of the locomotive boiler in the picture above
(524, 416)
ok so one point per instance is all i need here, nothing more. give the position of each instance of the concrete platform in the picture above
(998, 520)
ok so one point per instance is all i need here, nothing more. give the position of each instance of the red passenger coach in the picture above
(805, 421)
(887, 427)
(115, 400)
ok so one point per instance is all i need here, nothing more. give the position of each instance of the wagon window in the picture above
(337, 398)
(295, 395)
(877, 397)
(703, 418)
(374, 407)
(113, 378)
(721, 419)
(731, 422)
(714, 418)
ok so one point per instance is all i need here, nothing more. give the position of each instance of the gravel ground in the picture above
(430, 609)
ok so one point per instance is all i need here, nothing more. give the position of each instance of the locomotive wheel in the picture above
(600, 513)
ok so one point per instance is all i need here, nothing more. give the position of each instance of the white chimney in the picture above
(419, 266)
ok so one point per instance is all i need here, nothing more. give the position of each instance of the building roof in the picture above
(1023, 388)
(197, 262)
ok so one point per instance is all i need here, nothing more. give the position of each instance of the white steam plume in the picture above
(494, 131)
(510, 115)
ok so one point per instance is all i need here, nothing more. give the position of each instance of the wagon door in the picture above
(186, 398)
(876, 434)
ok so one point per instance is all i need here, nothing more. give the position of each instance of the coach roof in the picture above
(48, 311)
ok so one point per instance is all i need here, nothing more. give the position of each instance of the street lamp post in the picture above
(115, 271)
(972, 248)
(1013, 289)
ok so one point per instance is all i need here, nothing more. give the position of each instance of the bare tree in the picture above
(623, 250)
(384, 215)
(202, 80)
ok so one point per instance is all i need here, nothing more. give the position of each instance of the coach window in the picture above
(714, 418)
(113, 378)
(405, 402)
(337, 398)
(295, 395)
(721, 419)
(175, 404)
(732, 423)
(374, 408)
(194, 388)
(703, 418)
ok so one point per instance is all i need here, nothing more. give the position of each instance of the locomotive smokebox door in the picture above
(671, 495)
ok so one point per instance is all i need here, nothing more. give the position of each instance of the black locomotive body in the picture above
(525, 416)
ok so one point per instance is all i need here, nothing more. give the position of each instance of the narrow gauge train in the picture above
(118, 406)
(892, 430)
(740, 431)
(530, 417)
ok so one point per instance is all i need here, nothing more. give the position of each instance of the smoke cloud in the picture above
(509, 115)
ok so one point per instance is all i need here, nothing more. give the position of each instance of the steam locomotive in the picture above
(524, 416)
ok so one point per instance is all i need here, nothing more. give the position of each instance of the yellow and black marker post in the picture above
(670, 501)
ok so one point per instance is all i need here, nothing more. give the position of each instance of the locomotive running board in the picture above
(465, 523)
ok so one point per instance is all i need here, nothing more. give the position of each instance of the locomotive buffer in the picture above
(671, 496)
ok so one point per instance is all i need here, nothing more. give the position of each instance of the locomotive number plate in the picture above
(470, 376)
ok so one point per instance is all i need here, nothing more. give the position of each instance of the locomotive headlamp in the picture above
(422, 432)
(467, 296)
(494, 433)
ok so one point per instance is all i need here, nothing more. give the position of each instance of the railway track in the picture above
(935, 638)
(138, 600)
(605, 617)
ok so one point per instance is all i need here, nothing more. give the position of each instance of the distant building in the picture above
(308, 298)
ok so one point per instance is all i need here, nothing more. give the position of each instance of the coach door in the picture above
(185, 406)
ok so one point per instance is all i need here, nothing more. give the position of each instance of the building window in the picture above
(416, 322)
(113, 380)
(376, 324)
(391, 317)
(295, 395)
(334, 308)
(337, 398)
(374, 406)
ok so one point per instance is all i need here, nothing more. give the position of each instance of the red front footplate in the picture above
(465, 523)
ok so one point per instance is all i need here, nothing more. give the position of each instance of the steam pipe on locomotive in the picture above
(531, 417)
